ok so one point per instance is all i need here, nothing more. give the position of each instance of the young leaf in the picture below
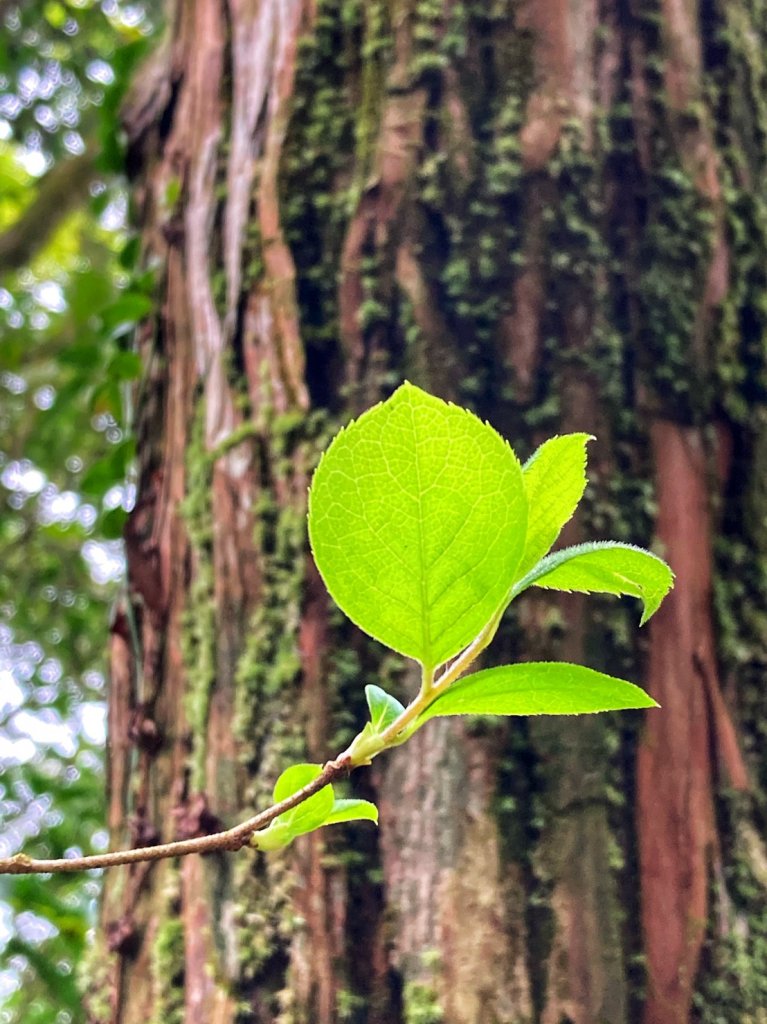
(312, 812)
(538, 688)
(417, 519)
(293, 779)
(384, 709)
(276, 837)
(555, 479)
(606, 567)
(280, 833)
(352, 810)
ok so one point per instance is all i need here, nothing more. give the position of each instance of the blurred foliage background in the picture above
(68, 300)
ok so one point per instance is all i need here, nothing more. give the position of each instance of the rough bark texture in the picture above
(552, 212)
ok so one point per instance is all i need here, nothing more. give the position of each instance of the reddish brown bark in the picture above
(677, 833)
(520, 292)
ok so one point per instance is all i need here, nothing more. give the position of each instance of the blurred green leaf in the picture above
(112, 523)
(125, 366)
(125, 312)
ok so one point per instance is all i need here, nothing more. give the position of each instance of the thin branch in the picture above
(59, 192)
(231, 839)
(238, 836)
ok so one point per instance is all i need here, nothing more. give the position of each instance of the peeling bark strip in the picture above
(677, 834)
(528, 206)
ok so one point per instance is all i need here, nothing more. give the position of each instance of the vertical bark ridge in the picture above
(675, 799)
(679, 844)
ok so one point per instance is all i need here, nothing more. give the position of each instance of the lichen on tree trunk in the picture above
(551, 213)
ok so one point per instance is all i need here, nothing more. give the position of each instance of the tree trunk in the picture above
(553, 213)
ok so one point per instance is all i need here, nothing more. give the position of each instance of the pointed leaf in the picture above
(314, 810)
(352, 810)
(538, 688)
(280, 833)
(605, 567)
(384, 709)
(293, 779)
(311, 813)
(555, 479)
(276, 837)
(417, 519)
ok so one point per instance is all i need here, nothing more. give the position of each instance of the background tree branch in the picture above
(60, 191)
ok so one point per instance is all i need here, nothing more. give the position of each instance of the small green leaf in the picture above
(417, 519)
(555, 479)
(538, 688)
(280, 833)
(276, 837)
(605, 567)
(313, 811)
(318, 810)
(384, 709)
(352, 810)
(293, 779)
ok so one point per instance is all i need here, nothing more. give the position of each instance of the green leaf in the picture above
(276, 837)
(82, 355)
(417, 519)
(107, 397)
(313, 811)
(318, 810)
(293, 779)
(538, 688)
(89, 292)
(125, 312)
(112, 523)
(281, 833)
(605, 567)
(384, 709)
(555, 479)
(125, 366)
(111, 470)
(352, 810)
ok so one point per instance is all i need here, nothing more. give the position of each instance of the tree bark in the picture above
(553, 213)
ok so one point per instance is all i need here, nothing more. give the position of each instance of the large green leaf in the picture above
(538, 688)
(417, 519)
(605, 567)
(555, 479)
